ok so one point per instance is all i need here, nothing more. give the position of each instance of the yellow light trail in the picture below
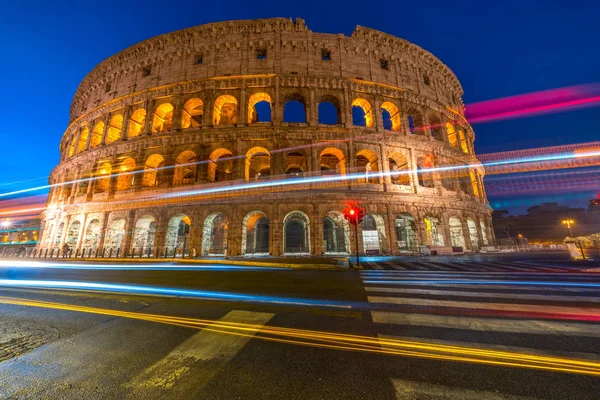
(338, 341)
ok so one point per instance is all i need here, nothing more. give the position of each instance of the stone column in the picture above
(391, 229)
(146, 129)
(81, 236)
(316, 232)
(385, 168)
(125, 127)
(277, 107)
(128, 237)
(243, 108)
(177, 115)
(276, 232)
(377, 115)
(466, 233)
(447, 234)
(312, 110)
(105, 130)
(347, 111)
(103, 231)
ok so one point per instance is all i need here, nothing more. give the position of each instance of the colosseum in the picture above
(251, 138)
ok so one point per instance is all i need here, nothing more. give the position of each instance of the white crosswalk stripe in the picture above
(410, 390)
(467, 265)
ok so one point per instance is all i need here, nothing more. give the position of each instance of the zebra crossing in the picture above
(468, 266)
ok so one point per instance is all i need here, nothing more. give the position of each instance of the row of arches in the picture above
(257, 234)
(259, 109)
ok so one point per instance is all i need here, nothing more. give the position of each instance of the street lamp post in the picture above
(569, 223)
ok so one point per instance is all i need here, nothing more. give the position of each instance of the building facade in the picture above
(251, 137)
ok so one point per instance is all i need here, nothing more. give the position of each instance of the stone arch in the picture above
(362, 113)
(163, 118)
(220, 165)
(178, 230)
(255, 233)
(115, 231)
(72, 145)
(136, 122)
(390, 115)
(185, 168)
(114, 128)
(214, 234)
(457, 236)
(433, 231)
(332, 161)
(295, 165)
(435, 124)
(416, 125)
(373, 233)
(262, 114)
(91, 240)
(144, 234)
(424, 165)
(406, 233)
(336, 233)
(103, 173)
(153, 169)
(451, 133)
(258, 164)
(294, 108)
(329, 110)
(126, 177)
(473, 235)
(368, 164)
(225, 110)
(83, 138)
(464, 145)
(97, 134)
(399, 169)
(447, 176)
(296, 233)
(73, 234)
(474, 183)
(193, 112)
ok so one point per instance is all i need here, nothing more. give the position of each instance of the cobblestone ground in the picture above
(20, 336)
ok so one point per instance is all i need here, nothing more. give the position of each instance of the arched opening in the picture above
(447, 176)
(329, 110)
(103, 177)
(193, 111)
(362, 113)
(373, 234)
(126, 177)
(474, 183)
(114, 235)
(255, 233)
(336, 233)
(391, 117)
(153, 169)
(399, 172)
(294, 109)
(258, 164)
(114, 128)
(220, 166)
(367, 164)
(163, 118)
(464, 146)
(457, 236)
(416, 124)
(259, 108)
(484, 237)
(332, 162)
(433, 231)
(464, 180)
(406, 233)
(473, 234)
(436, 127)
(296, 228)
(225, 110)
(72, 145)
(97, 134)
(83, 138)
(178, 231)
(295, 165)
(214, 234)
(451, 132)
(73, 235)
(144, 235)
(92, 235)
(424, 174)
(136, 122)
(185, 168)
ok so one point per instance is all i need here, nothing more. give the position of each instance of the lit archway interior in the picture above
(255, 233)
(296, 233)
(336, 234)
(214, 234)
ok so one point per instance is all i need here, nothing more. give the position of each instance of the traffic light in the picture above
(354, 214)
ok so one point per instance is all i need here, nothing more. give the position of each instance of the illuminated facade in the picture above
(250, 137)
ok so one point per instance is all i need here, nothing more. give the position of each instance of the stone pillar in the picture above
(177, 115)
(316, 232)
(160, 238)
(166, 179)
(125, 127)
(385, 168)
(347, 111)
(81, 236)
(312, 110)
(276, 233)
(103, 231)
(112, 183)
(466, 233)
(377, 115)
(447, 234)
(243, 108)
(196, 235)
(277, 107)
(391, 229)
(146, 129)
(105, 130)
(129, 229)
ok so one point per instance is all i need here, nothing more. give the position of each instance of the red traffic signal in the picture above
(354, 214)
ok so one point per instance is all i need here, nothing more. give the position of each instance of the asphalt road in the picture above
(277, 334)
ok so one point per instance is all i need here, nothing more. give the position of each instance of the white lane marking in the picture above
(484, 306)
(410, 390)
(519, 296)
(490, 346)
(533, 288)
(539, 327)
(199, 358)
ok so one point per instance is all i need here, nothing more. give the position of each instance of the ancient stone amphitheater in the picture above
(251, 137)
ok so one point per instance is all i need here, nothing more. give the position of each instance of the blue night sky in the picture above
(496, 49)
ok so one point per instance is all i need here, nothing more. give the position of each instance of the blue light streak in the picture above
(134, 266)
